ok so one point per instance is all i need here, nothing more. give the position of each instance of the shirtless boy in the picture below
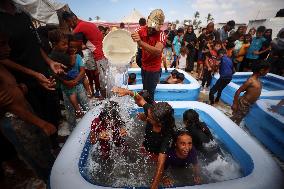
(252, 88)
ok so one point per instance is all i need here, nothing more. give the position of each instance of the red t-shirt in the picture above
(94, 37)
(151, 62)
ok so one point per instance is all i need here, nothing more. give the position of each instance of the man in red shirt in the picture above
(151, 40)
(94, 42)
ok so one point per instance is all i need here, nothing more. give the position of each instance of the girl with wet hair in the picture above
(160, 126)
(108, 126)
(198, 130)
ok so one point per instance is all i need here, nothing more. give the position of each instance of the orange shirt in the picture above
(242, 52)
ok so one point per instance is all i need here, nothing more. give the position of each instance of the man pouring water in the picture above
(151, 39)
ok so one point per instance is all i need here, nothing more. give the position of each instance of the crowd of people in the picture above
(41, 67)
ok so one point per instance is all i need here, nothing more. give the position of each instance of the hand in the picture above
(136, 37)
(120, 91)
(49, 129)
(142, 116)
(168, 182)
(197, 179)
(234, 107)
(103, 135)
(255, 52)
(122, 132)
(57, 68)
(48, 84)
(139, 100)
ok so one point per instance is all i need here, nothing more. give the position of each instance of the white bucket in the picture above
(119, 48)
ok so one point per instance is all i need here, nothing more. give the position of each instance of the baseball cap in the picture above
(156, 18)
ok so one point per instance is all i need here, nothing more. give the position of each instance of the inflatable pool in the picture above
(259, 170)
(267, 126)
(189, 90)
(273, 86)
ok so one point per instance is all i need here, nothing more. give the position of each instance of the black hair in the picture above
(75, 37)
(191, 119)
(180, 30)
(180, 76)
(203, 29)
(146, 95)
(132, 76)
(231, 23)
(55, 36)
(230, 45)
(142, 21)
(66, 15)
(217, 42)
(261, 29)
(163, 113)
(174, 72)
(101, 28)
(262, 64)
(111, 112)
(122, 25)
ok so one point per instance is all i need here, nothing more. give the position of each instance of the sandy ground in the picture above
(19, 176)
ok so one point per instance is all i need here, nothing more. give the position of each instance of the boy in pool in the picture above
(171, 79)
(252, 88)
(182, 154)
(180, 78)
(108, 127)
(132, 79)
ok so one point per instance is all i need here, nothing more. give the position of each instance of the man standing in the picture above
(94, 39)
(151, 40)
(223, 33)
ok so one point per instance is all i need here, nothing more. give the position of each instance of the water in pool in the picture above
(268, 83)
(131, 168)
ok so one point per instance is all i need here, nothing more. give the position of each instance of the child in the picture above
(176, 46)
(182, 59)
(167, 54)
(181, 155)
(172, 78)
(242, 52)
(108, 127)
(226, 71)
(252, 88)
(132, 79)
(254, 49)
(91, 71)
(180, 78)
(211, 64)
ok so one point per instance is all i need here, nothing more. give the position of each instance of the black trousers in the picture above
(190, 59)
(220, 84)
(150, 81)
(207, 77)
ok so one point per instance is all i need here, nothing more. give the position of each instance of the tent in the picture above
(42, 10)
(133, 17)
(275, 24)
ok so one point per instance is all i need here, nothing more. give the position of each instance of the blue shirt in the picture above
(226, 67)
(223, 34)
(177, 44)
(74, 72)
(174, 161)
(255, 45)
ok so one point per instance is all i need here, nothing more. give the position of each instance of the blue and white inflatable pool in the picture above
(267, 126)
(273, 86)
(187, 91)
(259, 169)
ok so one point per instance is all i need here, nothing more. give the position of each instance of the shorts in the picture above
(243, 109)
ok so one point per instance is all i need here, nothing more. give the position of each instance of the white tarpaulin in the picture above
(41, 10)
(133, 17)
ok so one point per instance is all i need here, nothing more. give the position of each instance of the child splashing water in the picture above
(108, 127)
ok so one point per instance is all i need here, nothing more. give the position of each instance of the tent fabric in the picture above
(41, 10)
(133, 17)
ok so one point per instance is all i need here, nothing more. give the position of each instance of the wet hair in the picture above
(55, 36)
(180, 30)
(261, 29)
(146, 95)
(180, 76)
(191, 118)
(142, 21)
(262, 64)
(132, 76)
(178, 134)
(66, 15)
(163, 113)
(111, 112)
(174, 72)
